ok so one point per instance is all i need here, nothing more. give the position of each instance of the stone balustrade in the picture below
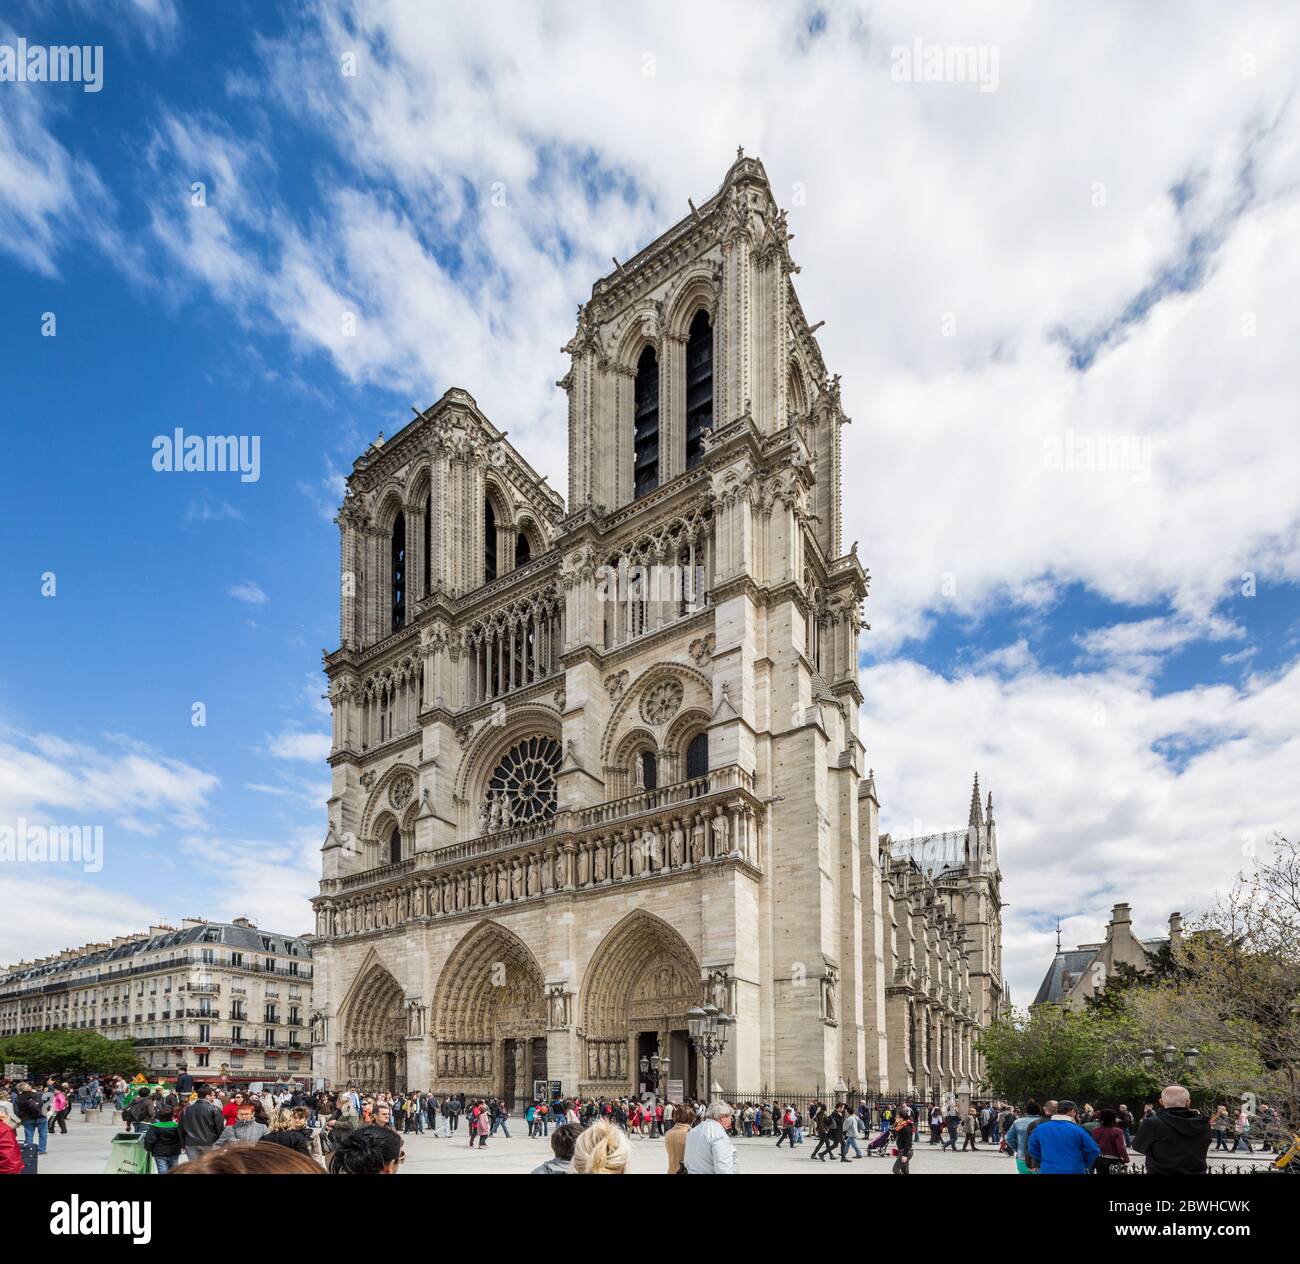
(711, 820)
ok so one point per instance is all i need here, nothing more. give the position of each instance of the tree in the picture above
(78, 1052)
(1235, 990)
(1088, 1055)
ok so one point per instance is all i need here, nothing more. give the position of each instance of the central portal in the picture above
(489, 1016)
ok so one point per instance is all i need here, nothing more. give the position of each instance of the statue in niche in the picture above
(697, 843)
(620, 860)
(677, 852)
(517, 880)
(720, 847)
(598, 872)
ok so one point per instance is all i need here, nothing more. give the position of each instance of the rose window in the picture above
(525, 780)
(662, 701)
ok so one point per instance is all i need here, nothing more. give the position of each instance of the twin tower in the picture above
(596, 764)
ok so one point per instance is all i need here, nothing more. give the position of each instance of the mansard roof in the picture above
(227, 934)
(1067, 967)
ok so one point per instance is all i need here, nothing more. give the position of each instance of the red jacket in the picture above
(230, 1112)
(11, 1161)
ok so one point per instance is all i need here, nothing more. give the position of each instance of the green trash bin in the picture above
(127, 1157)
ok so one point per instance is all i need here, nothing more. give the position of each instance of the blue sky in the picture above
(1075, 255)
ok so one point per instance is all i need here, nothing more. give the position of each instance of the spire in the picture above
(1058, 934)
(976, 815)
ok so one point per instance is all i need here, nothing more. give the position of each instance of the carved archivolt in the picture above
(642, 965)
(490, 988)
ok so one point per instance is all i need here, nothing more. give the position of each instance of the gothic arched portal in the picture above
(489, 1016)
(374, 1033)
(641, 981)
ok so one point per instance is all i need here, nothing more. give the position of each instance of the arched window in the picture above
(399, 573)
(395, 846)
(796, 401)
(489, 542)
(523, 550)
(699, 385)
(697, 757)
(428, 544)
(649, 770)
(646, 424)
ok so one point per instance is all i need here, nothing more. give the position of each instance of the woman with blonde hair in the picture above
(602, 1150)
(289, 1129)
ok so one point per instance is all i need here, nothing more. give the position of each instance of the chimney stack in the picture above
(1175, 929)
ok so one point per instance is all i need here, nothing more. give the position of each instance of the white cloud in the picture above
(1040, 217)
(313, 747)
(44, 913)
(1102, 791)
(48, 778)
(249, 592)
(1141, 645)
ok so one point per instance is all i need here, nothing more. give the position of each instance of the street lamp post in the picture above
(707, 1026)
(1169, 1054)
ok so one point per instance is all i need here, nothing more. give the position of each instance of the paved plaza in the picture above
(85, 1150)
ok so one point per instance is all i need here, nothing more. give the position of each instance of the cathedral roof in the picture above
(937, 853)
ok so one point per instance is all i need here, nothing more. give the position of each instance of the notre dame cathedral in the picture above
(596, 763)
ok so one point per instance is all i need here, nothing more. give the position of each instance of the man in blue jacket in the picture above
(1060, 1146)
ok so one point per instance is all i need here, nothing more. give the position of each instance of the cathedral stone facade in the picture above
(596, 763)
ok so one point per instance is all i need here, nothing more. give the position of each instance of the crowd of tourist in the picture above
(192, 1128)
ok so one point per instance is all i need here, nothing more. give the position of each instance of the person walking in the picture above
(162, 1138)
(289, 1129)
(903, 1139)
(971, 1125)
(245, 1130)
(1219, 1125)
(1016, 1136)
(851, 1130)
(1175, 1139)
(1060, 1146)
(201, 1124)
(32, 1113)
(787, 1128)
(1109, 1136)
(59, 1108)
(709, 1150)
